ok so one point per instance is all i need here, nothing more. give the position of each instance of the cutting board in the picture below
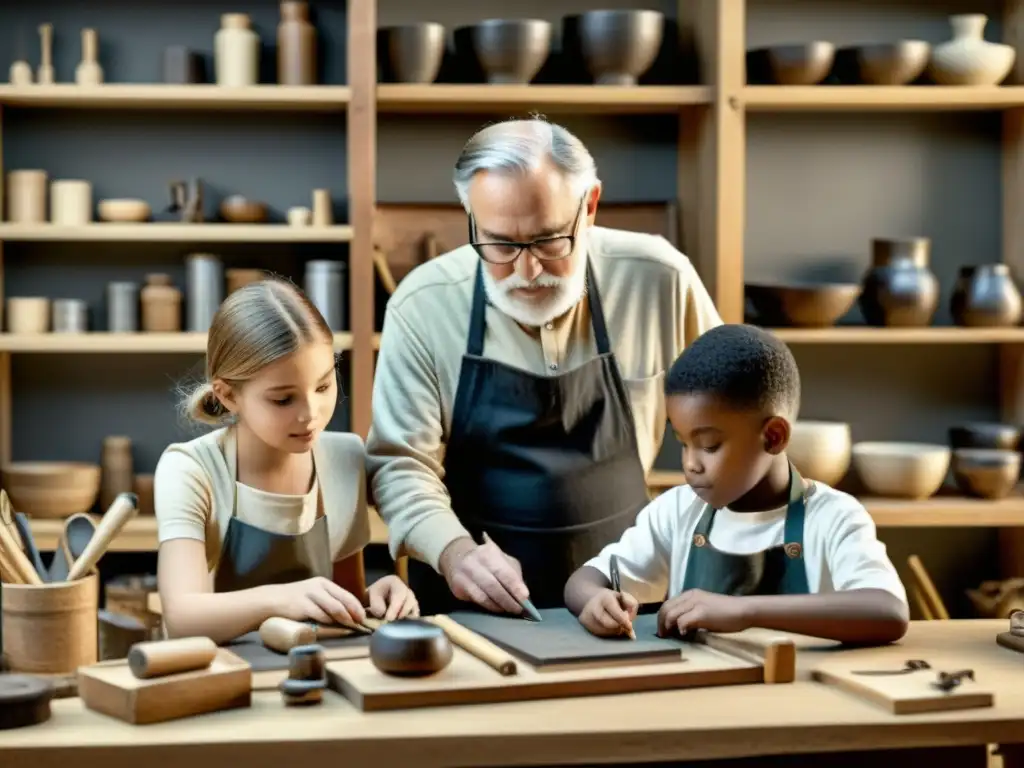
(907, 694)
(467, 680)
(561, 642)
(111, 688)
(270, 667)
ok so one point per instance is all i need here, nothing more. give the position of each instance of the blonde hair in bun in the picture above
(254, 327)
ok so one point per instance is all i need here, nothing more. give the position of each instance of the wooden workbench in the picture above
(689, 725)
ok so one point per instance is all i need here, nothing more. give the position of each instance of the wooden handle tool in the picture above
(7, 518)
(124, 508)
(469, 641)
(158, 658)
(15, 563)
(777, 654)
(281, 635)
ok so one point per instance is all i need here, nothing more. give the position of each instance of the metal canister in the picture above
(325, 287)
(70, 316)
(204, 290)
(123, 307)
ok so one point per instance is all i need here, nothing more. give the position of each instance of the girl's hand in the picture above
(390, 598)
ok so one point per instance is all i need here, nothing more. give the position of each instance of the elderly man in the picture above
(518, 401)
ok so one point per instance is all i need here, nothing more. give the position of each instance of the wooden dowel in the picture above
(776, 655)
(481, 647)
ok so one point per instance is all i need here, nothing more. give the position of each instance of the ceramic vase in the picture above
(161, 305)
(70, 202)
(899, 289)
(236, 52)
(986, 297)
(969, 59)
(296, 45)
(26, 196)
(89, 71)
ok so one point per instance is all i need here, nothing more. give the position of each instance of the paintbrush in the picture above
(529, 611)
(613, 567)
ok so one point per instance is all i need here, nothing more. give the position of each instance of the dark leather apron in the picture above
(252, 557)
(547, 466)
(775, 571)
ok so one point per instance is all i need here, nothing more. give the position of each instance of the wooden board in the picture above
(270, 667)
(560, 641)
(467, 680)
(908, 694)
(111, 688)
(1011, 641)
(402, 230)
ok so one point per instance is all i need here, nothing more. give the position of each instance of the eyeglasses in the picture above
(545, 248)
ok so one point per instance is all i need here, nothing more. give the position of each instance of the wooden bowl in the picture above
(123, 210)
(820, 450)
(802, 305)
(985, 435)
(51, 489)
(410, 648)
(240, 210)
(795, 64)
(895, 63)
(987, 473)
(901, 470)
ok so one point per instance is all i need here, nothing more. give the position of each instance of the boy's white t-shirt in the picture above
(841, 550)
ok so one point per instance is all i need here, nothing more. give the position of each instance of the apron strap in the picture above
(477, 317)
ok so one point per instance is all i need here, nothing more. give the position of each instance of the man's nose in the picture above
(528, 266)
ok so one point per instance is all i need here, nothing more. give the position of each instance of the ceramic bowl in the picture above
(988, 473)
(895, 63)
(411, 53)
(51, 489)
(795, 64)
(616, 46)
(123, 210)
(985, 435)
(510, 51)
(806, 306)
(901, 470)
(240, 210)
(410, 648)
(820, 450)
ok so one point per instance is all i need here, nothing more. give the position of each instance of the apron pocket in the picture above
(647, 401)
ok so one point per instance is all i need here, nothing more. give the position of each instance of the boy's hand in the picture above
(605, 616)
(697, 609)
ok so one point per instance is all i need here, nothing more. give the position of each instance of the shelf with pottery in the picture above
(100, 342)
(157, 96)
(924, 98)
(174, 232)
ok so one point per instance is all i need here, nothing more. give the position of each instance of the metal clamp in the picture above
(947, 681)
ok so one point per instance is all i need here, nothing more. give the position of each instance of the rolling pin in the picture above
(157, 658)
(469, 641)
(124, 508)
(282, 635)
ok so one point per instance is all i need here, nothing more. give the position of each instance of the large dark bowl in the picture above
(411, 53)
(792, 64)
(509, 51)
(410, 648)
(616, 46)
(802, 305)
(986, 472)
(985, 435)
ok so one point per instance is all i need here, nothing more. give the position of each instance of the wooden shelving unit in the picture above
(163, 232)
(259, 98)
(866, 98)
(121, 343)
(855, 335)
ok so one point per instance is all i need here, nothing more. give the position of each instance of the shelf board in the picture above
(865, 335)
(146, 96)
(580, 99)
(120, 343)
(915, 98)
(170, 232)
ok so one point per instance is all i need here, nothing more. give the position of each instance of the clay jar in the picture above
(296, 45)
(986, 297)
(161, 305)
(236, 52)
(899, 289)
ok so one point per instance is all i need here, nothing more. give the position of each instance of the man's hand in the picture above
(483, 574)
(697, 609)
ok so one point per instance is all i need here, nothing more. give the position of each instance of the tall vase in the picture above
(236, 52)
(969, 59)
(296, 45)
(89, 71)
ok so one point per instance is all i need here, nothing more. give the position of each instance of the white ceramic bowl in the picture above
(901, 470)
(820, 450)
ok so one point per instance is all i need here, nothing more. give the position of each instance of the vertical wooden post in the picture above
(712, 153)
(6, 407)
(362, 194)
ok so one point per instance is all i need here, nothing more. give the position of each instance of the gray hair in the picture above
(520, 146)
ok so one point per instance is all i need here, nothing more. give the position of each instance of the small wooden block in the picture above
(111, 688)
(1011, 641)
(906, 694)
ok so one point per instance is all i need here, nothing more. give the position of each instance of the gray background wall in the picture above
(819, 187)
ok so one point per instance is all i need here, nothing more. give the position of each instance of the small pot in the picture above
(985, 435)
(985, 472)
(617, 46)
(899, 289)
(239, 210)
(795, 64)
(410, 648)
(411, 53)
(510, 51)
(986, 296)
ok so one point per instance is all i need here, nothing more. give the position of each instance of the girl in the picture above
(254, 518)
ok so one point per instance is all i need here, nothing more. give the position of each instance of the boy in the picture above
(747, 543)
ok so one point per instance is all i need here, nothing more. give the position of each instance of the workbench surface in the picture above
(731, 721)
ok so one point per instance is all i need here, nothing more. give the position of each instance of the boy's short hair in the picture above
(744, 366)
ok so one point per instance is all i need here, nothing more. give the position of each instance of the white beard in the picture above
(567, 292)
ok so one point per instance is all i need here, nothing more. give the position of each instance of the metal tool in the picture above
(613, 568)
(29, 544)
(948, 681)
(529, 611)
(914, 665)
